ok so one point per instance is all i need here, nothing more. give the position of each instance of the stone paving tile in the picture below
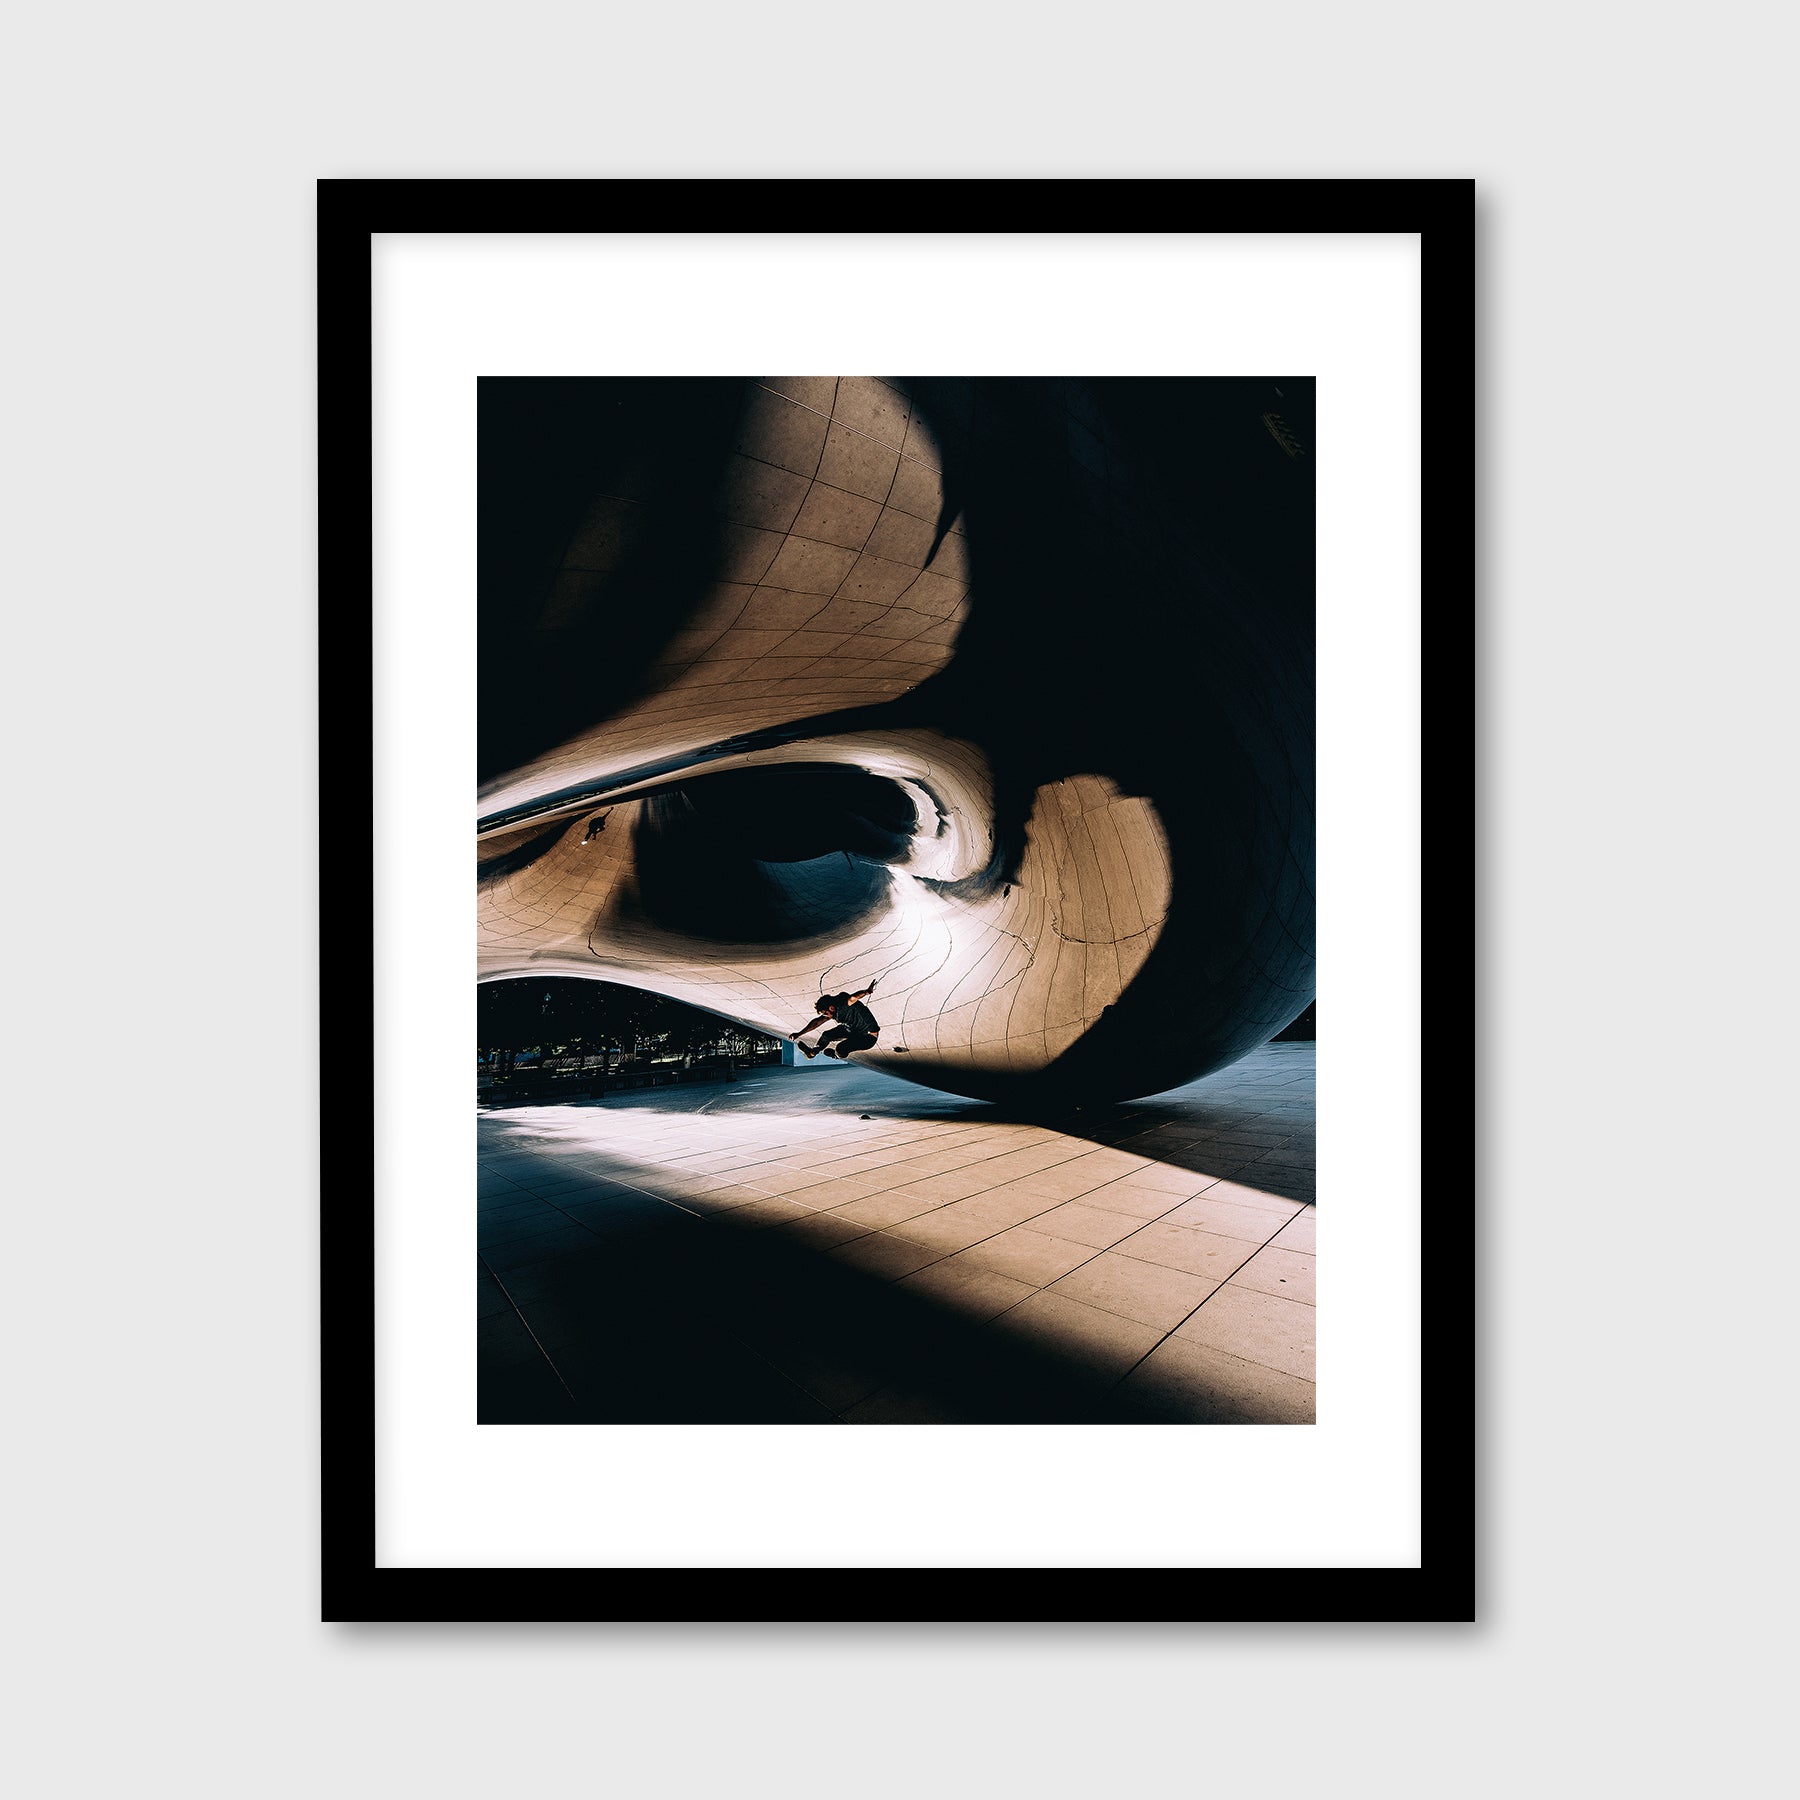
(1001, 1207)
(833, 1383)
(958, 1184)
(944, 1231)
(502, 1339)
(685, 1184)
(881, 1253)
(909, 1162)
(492, 1297)
(1033, 1159)
(886, 1209)
(1227, 1218)
(1191, 1383)
(1173, 1178)
(1069, 1180)
(1258, 1327)
(995, 1161)
(771, 1209)
(1027, 1255)
(618, 1203)
(1017, 1196)
(708, 1162)
(527, 1395)
(865, 1162)
(824, 1195)
(489, 1213)
(821, 1228)
(1288, 1274)
(899, 1405)
(1103, 1344)
(1299, 1233)
(1140, 1203)
(1182, 1247)
(942, 1164)
(1084, 1224)
(518, 1252)
(1154, 1206)
(1146, 1292)
(562, 1182)
(974, 1292)
(723, 1199)
(1239, 1193)
(1302, 1193)
(775, 1180)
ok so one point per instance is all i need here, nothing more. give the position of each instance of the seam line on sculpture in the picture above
(831, 419)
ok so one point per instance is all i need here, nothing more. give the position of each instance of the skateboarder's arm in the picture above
(816, 1019)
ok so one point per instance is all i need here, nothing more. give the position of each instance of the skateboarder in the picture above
(856, 1027)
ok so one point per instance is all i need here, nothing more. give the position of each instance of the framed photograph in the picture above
(923, 808)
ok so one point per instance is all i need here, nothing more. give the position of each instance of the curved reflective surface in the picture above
(997, 694)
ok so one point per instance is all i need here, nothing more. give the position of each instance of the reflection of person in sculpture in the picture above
(856, 1027)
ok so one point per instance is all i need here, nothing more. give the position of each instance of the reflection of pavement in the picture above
(765, 1252)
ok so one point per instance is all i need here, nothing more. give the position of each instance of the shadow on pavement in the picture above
(661, 1317)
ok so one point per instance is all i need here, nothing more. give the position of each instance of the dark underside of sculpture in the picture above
(995, 692)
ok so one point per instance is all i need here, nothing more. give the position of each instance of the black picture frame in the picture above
(1442, 213)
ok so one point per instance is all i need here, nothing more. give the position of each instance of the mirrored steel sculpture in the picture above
(995, 692)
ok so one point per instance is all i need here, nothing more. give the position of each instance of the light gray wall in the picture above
(161, 902)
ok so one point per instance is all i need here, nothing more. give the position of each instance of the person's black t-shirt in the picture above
(858, 1018)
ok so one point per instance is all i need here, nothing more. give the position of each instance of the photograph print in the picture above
(895, 900)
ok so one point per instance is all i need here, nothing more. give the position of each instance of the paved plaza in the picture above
(827, 1244)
